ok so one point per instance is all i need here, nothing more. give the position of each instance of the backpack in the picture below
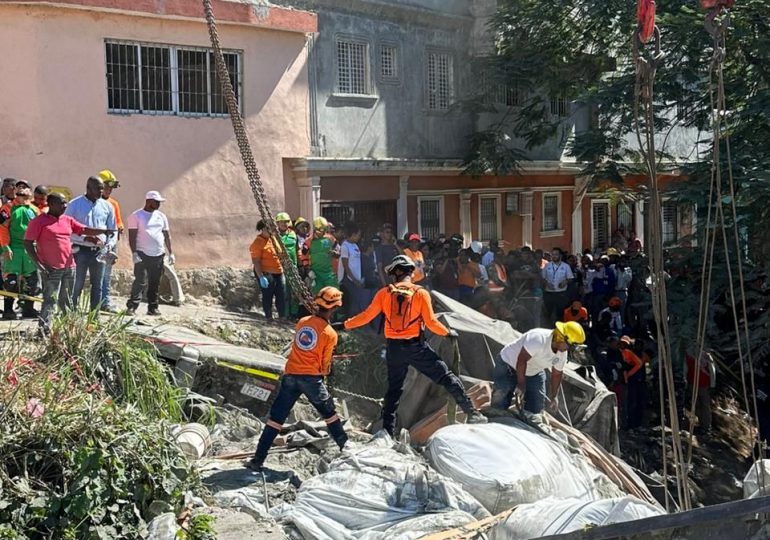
(401, 297)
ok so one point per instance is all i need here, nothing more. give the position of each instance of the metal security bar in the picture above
(439, 85)
(388, 62)
(488, 213)
(550, 212)
(352, 67)
(430, 218)
(145, 78)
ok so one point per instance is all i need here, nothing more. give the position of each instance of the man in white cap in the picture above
(150, 243)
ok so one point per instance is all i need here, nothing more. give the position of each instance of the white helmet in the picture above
(476, 247)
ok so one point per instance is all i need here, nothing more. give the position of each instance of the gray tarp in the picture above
(592, 408)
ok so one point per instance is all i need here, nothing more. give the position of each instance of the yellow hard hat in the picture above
(283, 216)
(329, 297)
(572, 332)
(320, 223)
(300, 220)
(109, 179)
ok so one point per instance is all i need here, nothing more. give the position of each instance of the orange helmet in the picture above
(329, 297)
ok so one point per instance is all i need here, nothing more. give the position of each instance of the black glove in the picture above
(338, 325)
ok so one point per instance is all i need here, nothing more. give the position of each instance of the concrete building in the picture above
(388, 141)
(129, 86)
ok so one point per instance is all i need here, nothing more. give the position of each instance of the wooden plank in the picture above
(471, 530)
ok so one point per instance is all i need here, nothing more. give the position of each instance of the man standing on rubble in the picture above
(520, 367)
(407, 308)
(308, 363)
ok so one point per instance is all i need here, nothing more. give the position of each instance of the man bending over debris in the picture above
(308, 363)
(520, 367)
(407, 307)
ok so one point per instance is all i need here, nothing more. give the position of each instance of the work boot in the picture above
(8, 313)
(153, 312)
(28, 310)
(475, 417)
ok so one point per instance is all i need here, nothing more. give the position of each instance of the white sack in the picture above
(372, 488)
(757, 481)
(507, 465)
(558, 516)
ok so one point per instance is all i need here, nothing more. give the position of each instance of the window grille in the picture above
(550, 212)
(430, 218)
(626, 217)
(352, 67)
(670, 222)
(488, 217)
(508, 95)
(600, 225)
(162, 79)
(388, 62)
(559, 106)
(439, 81)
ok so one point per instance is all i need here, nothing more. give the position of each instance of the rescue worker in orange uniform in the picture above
(308, 363)
(407, 309)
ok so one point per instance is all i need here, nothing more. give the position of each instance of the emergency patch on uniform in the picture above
(307, 338)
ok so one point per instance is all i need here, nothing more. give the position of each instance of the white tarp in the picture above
(558, 516)
(373, 488)
(507, 465)
(757, 481)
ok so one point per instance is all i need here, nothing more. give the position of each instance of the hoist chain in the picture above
(296, 284)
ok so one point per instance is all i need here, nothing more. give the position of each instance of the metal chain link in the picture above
(359, 396)
(296, 284)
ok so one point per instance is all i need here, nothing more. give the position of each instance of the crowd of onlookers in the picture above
(605, 291)
(51, 245)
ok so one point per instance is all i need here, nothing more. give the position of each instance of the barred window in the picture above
(161, 79)
(508, 95)
(439, 85)
(559, 106)
(430, 211)
(353, 67)
(670, 222)
(389, 63)
(489, 224)
(551, 212)
(626, 216)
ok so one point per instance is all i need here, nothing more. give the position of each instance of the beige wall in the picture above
(55, 129)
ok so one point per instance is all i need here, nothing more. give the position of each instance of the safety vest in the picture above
(502, 275)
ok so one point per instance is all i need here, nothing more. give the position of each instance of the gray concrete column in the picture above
(466, 229)
(639, 220)
(577, 229)
(402, 206)
(526, 218)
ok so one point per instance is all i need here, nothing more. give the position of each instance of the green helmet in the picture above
(283, 216)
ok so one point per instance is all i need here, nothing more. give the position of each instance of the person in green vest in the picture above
(323, 251)
(289, 239)
(20, 270)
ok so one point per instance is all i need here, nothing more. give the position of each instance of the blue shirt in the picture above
(94, 215)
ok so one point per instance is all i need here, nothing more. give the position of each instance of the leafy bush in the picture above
(84, 446)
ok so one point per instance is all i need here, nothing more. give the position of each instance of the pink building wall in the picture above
(55, 129)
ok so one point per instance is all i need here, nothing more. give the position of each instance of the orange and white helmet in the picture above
(329, 297)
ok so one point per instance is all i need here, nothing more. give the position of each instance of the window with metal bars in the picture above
(508, 95)
(670, 222)
(551, 212)
(161, 79)
(439, 81)
(389, 63)
(430, 218)
(600, 226)
(353, 67)
(559, 106)
(488, 218)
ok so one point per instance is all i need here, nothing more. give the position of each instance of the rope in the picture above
(296, 284)
(644, 90)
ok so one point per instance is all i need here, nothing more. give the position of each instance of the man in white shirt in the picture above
(556, 277)
(150, 242)
(349, 271)
(520, 367)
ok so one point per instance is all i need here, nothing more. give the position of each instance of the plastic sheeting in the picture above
(592, 408)
(757, 481)
(371, 491)
(558, 516)
(507, 465)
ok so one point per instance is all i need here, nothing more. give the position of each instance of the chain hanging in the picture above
(298, 287)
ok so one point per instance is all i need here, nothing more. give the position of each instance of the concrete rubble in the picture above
(437, 478)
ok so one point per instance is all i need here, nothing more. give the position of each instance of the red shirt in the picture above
(52, 235)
